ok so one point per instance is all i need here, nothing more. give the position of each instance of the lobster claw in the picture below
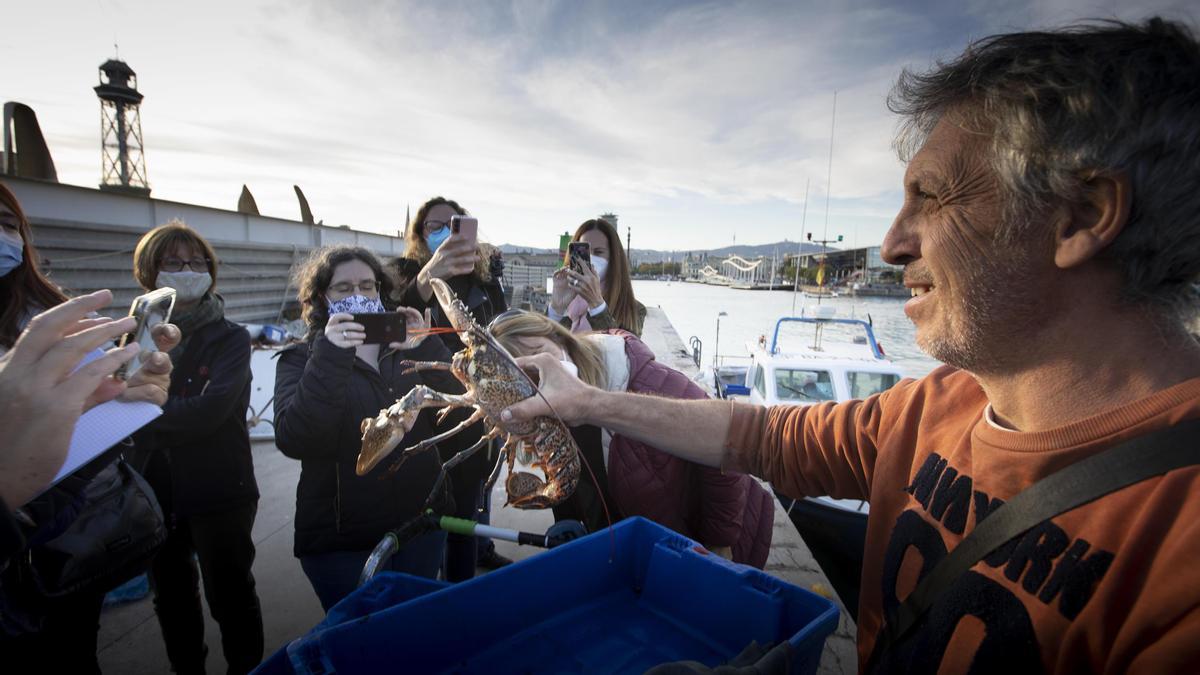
(454, 309)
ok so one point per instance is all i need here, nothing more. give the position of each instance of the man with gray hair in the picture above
(1050, 234)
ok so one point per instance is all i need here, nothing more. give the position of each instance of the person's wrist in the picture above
(424, 288)
(598, 405)
(598, 308)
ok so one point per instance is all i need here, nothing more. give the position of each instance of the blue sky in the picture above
(691, 121)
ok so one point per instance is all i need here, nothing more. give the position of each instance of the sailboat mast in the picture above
(828, 191)
(829, 171)
(800, 247)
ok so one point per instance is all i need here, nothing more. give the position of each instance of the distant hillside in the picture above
(642, 255)
(510, 248)
(782, 247)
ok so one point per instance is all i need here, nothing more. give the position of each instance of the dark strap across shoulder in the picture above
(1084, 481)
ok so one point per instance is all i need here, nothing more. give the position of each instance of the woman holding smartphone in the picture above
(39, 633)
(200, 464)
(729, 513)
(463, 263)
(324, 388)
(599, 295)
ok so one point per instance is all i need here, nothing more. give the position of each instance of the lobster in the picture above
(493, 381)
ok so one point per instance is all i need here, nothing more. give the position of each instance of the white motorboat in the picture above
(808, 360)
(841, 361)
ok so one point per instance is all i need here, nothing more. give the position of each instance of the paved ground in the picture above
(130, 640)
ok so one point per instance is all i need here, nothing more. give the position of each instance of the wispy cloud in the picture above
(689, 119)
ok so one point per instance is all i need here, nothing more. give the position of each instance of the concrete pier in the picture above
(131, 642)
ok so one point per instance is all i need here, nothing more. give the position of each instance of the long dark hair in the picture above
(619, 295)
(315, 274)
(25, 288)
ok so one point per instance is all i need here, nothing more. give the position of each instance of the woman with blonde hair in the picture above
(727, 512)
(599, 296)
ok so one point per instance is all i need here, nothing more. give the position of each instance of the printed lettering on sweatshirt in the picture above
(1046, 564)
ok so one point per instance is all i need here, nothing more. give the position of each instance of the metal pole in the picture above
(800, 248)
(829, 173)
(717, 343)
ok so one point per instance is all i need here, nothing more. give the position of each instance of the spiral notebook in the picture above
(103, 427)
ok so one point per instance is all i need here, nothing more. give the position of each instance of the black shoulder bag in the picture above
(1084, 481)
(95, 530)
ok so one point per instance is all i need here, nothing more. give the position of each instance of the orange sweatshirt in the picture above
(1111, 587)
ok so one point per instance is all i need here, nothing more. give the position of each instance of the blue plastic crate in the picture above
(602, 604)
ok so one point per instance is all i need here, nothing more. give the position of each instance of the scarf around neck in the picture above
(210, 308)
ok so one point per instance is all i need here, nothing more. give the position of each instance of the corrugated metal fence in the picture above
(86, 239)
(253, 278)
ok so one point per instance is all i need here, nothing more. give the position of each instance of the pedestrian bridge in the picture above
(736, 270)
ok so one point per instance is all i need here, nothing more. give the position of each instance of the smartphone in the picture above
(383, 328)
(150, 310)
(579, 253)
(464, 227)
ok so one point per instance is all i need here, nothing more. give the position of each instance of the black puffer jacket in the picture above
(322, 395)
(199, 449)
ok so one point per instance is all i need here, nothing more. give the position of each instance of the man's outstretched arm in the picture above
(825, 449)
(694, 430)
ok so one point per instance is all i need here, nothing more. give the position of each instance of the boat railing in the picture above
(721, 358)
(697, 346)
(821, 323)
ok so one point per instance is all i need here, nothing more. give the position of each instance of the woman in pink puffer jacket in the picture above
(729, 513)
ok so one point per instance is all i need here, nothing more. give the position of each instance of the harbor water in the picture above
(693, 310)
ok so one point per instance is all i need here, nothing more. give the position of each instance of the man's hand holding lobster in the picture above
(562, 393)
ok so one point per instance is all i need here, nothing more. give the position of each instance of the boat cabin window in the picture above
(759, 382)
(863, 385)
(803, 385)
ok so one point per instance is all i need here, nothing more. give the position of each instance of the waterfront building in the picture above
(854, 265)
(526, 275)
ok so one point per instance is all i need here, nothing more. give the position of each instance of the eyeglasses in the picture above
(431, 226)
(366, 286)
(177, 265)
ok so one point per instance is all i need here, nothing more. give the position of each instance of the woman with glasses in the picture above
(324, 388)
(599, 296)
(729, 513)
(199, 463)
(466, 267)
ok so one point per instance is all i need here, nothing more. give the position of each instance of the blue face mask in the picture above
(437, 239)
(12, 253)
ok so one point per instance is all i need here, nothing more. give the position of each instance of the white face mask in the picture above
(188, 285)
(600, 265)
